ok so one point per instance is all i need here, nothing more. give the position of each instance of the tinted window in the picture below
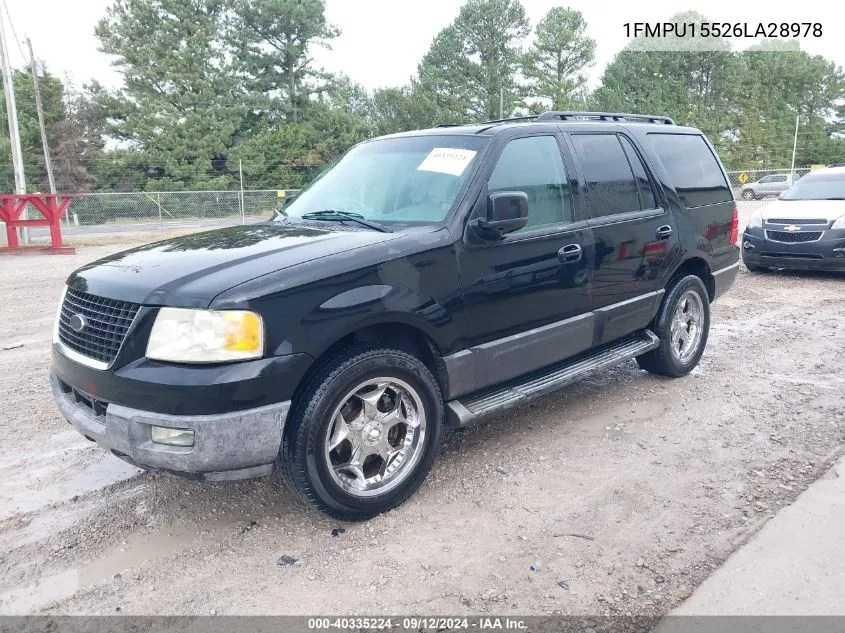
(765, 179)
(534, 165)
(779, 178)
(693, 168)
(610, 181)
(643, 184)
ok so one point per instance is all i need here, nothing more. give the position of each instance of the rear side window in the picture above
(694, 170)
(607, 172)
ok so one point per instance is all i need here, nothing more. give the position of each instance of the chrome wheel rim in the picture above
(686, 327)
(376, 436)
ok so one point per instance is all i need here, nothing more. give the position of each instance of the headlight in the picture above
(205, 336)
(755, 221)
(839, 224)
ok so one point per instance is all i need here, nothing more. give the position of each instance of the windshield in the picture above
(405, 180)
(818, 187)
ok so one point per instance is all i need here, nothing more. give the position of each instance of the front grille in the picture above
(794, 238)
(107, 321)
(817, 221)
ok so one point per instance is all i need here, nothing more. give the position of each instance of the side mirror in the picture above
(507, 211)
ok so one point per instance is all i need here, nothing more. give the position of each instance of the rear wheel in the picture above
(682, 325)
(364, 433)
(749, 194)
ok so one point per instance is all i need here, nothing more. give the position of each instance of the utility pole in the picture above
(12, 111)
(47, 163)
(502, 102)
(794, 147)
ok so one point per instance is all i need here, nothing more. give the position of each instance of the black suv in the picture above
(426, 278)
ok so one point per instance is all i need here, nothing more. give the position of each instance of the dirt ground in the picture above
(617, 495)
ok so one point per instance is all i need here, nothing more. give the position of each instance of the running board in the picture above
(480, 404)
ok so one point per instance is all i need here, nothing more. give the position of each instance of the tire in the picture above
(336, 444)
(749, 194)
(684, 296)
(754, 269)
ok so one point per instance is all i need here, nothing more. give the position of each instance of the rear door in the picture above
(633, 232)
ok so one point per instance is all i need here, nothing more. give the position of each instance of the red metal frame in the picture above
(51, 206)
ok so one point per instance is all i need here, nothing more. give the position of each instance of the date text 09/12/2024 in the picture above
(722, 29)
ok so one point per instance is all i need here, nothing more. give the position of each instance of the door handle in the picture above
(570, 253)
(664, 232)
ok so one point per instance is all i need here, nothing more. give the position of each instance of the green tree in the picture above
(554, 65)
(271, 40)
(472, 63)
(178, 102)
(694, 87)
(404, 108)
(781, 83)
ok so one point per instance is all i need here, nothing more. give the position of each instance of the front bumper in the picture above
(234, 445)
(827, 253)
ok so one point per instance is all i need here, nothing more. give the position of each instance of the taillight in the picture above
(734, 226)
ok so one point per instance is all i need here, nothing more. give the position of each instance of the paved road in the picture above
(794, 566)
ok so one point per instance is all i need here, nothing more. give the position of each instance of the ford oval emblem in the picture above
(77, 323)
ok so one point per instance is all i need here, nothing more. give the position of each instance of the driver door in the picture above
(527, 294)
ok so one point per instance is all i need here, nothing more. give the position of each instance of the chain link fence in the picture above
(755, 184)
(167, 207)
(185, 207)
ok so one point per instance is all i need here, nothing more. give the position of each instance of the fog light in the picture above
(747, 245)
(173, 437)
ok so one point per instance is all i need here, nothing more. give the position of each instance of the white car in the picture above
(772, 185)
(803, 229)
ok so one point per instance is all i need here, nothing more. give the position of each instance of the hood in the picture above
(189, 271)
(828, 210)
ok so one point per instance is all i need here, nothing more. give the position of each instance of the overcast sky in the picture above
(383, 40)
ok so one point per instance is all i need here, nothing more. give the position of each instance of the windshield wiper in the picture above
(341, 216)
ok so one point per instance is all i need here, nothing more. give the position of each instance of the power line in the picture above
(14, 33)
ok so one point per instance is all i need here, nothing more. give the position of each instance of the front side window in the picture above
(406, 180)
(534, 166)
(611, 186)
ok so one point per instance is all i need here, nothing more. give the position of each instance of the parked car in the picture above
(804, 229)
(427, 278)
(767, 186)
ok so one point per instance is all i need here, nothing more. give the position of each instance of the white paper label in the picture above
(447, 160)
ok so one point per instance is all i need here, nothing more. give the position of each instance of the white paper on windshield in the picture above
(447, 160)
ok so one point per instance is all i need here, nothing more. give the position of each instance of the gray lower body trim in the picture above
(503, 359)
(233, 445)
(724, 278)
(618, 319)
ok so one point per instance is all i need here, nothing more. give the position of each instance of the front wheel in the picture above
(364, 433)
(749, 194)
(682, 325)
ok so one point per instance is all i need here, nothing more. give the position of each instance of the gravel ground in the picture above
(617, 495)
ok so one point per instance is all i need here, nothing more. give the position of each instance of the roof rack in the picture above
(604, 116)
(568, 116)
